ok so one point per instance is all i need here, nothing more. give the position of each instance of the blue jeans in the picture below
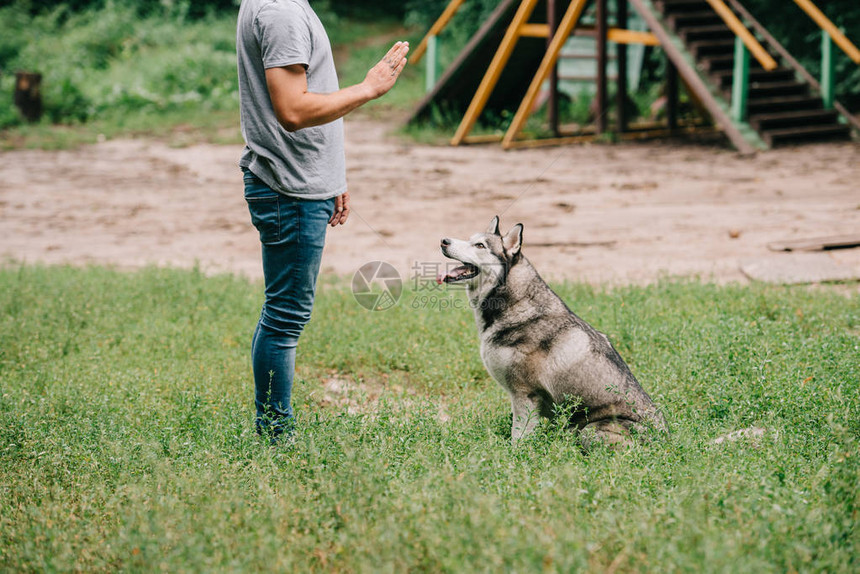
(292, 232)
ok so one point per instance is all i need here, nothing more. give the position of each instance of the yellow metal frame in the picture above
(494, 72)
(521, 28)
(733, 22)
(828, 26)
(436, 29)
(565, 27)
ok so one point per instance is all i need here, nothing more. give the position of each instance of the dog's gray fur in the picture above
(539, 351)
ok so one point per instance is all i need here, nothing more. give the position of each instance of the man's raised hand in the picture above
(383, 75)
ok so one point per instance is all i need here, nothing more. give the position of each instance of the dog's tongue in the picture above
(442, 278)
(453, 274)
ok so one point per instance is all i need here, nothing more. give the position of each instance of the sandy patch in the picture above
(596, 213)
(341, 393)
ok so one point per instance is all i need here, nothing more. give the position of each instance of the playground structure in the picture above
(755, 92)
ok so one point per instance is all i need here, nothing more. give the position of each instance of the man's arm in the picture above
(297, 108)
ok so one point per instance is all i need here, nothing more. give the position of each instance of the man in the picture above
(294, 172)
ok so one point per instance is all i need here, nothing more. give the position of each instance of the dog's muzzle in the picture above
(461, 273)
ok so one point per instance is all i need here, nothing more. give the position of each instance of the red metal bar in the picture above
(552, 103)
(671, 95)
(621, 59)
(601, 67)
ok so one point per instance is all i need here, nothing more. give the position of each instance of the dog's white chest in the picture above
(499, 362)
(562, 361)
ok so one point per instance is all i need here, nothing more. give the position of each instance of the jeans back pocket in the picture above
(264, 204)
(266, 217)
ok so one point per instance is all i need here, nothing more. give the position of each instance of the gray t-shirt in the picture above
(307, 163)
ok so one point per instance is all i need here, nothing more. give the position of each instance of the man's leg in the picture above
(273, 357)
(293, 236)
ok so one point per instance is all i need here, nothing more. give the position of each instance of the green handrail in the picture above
(740, 80)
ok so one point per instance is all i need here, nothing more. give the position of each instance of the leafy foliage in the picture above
(113, 62)
(113, 59)
(183, 8)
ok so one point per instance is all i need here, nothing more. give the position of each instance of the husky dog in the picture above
(539, 351)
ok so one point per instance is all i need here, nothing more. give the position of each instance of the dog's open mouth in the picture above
(461, 273)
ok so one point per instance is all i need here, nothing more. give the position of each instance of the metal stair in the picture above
(781, 108)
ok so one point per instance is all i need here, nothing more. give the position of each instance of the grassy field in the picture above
(126, 437)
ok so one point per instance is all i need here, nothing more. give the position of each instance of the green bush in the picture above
(184, 8)
(96, 63)
(9, 115)
(65, 102)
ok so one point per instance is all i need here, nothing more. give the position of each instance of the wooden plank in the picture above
(591, 137)
(568, 22)
(817, 243)
(798, 268)
(619, 35)
(622, 36)
(534, 31)
(503, 54)
(482, 139)
(548, 142)
(665, 132)
(635, 132)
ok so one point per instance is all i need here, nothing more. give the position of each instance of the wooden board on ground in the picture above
(799, 268)
(457, 86)
(817, 243)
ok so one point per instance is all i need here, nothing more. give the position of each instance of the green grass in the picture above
(126, 436)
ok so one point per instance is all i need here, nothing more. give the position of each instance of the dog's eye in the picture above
(480, 246)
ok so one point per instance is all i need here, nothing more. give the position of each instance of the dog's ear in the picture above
(493, 229)
(513, 240)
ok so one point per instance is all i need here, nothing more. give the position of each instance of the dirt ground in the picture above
(598, 213)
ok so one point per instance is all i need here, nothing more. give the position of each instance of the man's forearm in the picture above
(309, 109)
(297, 108)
